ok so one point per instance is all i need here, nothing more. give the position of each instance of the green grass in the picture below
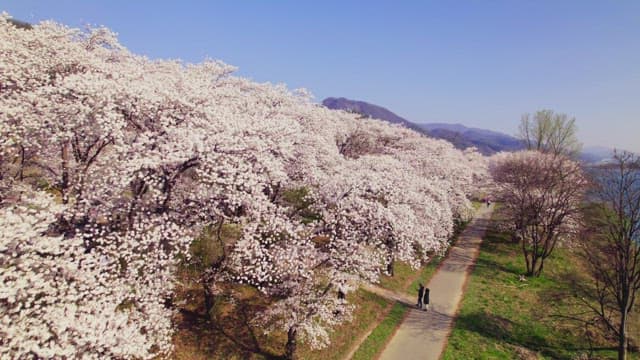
(503, 318)
(403, 275)
(379, 337)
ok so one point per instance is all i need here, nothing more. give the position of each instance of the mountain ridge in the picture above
(370, 110)
(486, 141)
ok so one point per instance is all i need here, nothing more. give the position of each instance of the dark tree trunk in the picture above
(64, 182)
(515, 239)
(535, 264)
(622, 337)
(208, 300)
(531, 264)
(539, 271)
(292, 344)
(526, 257)
(22, 160)
(390, 267)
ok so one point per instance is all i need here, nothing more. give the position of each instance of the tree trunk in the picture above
(515, 239)
(526, 257)
(539, 271)
(292, 344)
(390, 268)
(622, 337)
(531, 264)
(64, 183)
(21, 171)
(208, 300)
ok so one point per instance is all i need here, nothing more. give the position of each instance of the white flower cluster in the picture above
(59, 301)
(111, 164)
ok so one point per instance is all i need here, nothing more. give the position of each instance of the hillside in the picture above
(486, 141)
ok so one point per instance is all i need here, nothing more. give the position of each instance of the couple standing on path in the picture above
(423, 298)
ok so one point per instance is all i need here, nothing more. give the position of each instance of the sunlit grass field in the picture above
(502, 317)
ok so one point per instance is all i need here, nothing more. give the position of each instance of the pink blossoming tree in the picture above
(111, 164)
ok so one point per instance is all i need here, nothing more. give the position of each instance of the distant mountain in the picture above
(370, 110)
(486, 141)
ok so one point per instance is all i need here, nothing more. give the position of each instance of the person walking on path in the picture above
(420, 293)
(425, 300)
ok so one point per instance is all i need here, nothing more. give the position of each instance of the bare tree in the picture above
(542, 194)
(550, 132)
(613, 246)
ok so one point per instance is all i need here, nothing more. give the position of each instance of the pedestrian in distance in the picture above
(425, 300)
(420, 294)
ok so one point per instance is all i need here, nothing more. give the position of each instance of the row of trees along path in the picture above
(423, 334)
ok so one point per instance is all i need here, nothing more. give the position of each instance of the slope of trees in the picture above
(111, 164)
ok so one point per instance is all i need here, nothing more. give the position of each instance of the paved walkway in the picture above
(423, 334)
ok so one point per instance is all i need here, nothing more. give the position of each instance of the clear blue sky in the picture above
(479, 63)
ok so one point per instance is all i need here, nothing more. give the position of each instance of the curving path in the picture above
(423, 334)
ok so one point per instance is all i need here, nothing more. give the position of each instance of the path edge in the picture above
(464, 287)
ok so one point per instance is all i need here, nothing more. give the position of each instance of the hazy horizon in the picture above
(481, 65)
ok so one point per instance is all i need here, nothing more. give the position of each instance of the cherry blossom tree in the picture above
(58, 300)
(111, 164)
(542, 195)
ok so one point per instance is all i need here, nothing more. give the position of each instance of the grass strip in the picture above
(379, 337)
